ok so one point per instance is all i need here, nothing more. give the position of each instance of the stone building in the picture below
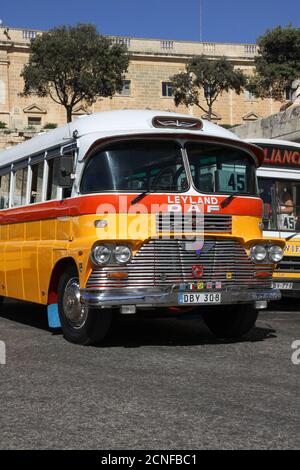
(147, 83)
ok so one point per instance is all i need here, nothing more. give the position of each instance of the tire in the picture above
(231, 321)
(81, 325)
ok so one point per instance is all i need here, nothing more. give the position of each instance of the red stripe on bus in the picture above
(89, 204)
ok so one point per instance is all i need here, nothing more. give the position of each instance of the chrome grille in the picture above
(289, 264)
(180, 223)
(161, 263)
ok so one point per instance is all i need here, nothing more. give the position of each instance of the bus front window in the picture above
(155, 166)
(219, 169)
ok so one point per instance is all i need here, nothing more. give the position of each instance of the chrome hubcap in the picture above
(74, 311)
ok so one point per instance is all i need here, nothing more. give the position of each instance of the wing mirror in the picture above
(63, 171)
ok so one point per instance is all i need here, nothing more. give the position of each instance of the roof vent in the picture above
(177, 123)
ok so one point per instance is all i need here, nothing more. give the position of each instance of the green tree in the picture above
(73, 64)
(212, 77)
(277, 64)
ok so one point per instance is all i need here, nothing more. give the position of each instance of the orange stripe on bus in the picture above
(89, 204)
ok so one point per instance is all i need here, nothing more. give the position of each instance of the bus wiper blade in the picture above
(139, 197)
(291, 236)
(227, 201)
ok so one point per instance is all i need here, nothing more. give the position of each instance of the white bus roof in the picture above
(288, 143)
(108, 123)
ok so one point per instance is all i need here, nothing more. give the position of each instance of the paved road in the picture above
(155, 384)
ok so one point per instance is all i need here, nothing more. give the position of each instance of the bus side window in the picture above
(19, 196)
(66, 192)
(4, 191)
(52, 188)
(37, 182)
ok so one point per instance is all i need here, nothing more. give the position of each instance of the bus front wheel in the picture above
(230, 321)
(81, 325)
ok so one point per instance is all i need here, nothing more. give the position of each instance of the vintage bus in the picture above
(127, 211)
(279, 185)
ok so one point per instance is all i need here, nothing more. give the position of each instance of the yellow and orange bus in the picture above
(279, 186)
(123, 211)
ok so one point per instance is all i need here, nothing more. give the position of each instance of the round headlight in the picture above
(101, 254)
(258, 253)
(122, 254)
(275, 253)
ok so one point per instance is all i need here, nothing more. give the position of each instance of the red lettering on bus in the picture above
(287, 156)
(295, 158)
(278, 157)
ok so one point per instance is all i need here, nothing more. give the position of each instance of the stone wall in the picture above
(284, 125)
(11, 138)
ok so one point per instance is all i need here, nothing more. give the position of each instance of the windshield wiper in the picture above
(291, 236)
(227, 201)
(140, 196)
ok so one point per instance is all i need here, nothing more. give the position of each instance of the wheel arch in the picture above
(59, 268)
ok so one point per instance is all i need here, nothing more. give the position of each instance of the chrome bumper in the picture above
(169, 297)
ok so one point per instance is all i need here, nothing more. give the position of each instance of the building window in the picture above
(34, 121)
(167, 89)
(166, 44)
(249, 96)
(126, 90)
(29, 34)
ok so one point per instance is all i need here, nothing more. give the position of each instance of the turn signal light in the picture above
(117, 275)
(262, 274)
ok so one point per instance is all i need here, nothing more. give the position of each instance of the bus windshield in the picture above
(158, 166)
(282, 199)
(220, 169)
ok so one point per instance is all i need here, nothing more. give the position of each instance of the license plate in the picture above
(283, 285)
(212, 298)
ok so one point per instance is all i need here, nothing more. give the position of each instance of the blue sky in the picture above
(222, 21)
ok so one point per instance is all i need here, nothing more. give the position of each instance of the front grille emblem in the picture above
(197, 270)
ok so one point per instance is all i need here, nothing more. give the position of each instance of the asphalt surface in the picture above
(154, 384)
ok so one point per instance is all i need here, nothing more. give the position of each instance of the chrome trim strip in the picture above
(152, 297)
